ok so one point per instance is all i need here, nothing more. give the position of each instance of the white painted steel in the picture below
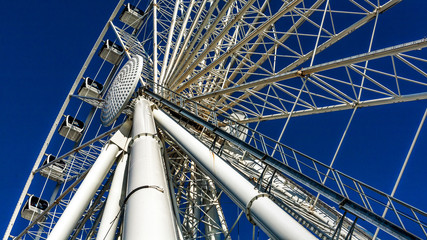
(180, 38)
(219, 40)
(121, 90)
(75, 209)
(155, 60)
(211, 219)
(57, 119)
(278, 222)
(419, 44)
(110, 218)
(182, 54)
(253, 34)
(168, 46)
(148, 210)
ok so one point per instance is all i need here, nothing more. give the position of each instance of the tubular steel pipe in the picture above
(344, 203)
(84, 194)
(148, 209)
(88, 187)
(107, 228)
(279, 224)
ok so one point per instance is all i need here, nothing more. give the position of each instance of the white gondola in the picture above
(71, 128)
(90, 88)
(54, 171)
(33, 208)
(132, 16)
(111, 52)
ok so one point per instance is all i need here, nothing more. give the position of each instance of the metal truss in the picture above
(256, 160)
(196, 197)
(78, 161)
(216, 67)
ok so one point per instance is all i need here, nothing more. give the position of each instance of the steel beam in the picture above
(187, 54)
(260, 209)
(155, 57)
(215, 41)
(419, 44)
(76, 207)
(169, 43)
(341, 107)
(265, 56)
(245, 40)
(184, 49)
(110, 215)
(325, 45)
(180, 37)
(344, 203)
(148, 207)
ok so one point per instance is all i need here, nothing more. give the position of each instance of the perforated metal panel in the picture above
(121, 90)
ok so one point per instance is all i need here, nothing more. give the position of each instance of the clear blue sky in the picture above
(43, 45)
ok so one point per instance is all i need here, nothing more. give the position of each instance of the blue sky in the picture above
(43, 45)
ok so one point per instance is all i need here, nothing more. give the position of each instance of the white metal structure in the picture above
(195, 139)
(90, 88)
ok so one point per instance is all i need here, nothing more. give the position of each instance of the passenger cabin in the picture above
(111, 52)
(132, 16)
(33, 208)
(90, 88)
(71, 128)
(54, 171)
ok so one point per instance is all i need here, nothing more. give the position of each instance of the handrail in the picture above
(336, 190)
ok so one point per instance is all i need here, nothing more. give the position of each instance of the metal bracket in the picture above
(337, 231)
(144, 135)
(121, 137)
(248, 207)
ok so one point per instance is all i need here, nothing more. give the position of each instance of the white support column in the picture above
(275, 220)
(110, 218)
(75, 209)
(148, 209)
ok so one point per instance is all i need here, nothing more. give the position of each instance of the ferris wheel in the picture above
(240, 119)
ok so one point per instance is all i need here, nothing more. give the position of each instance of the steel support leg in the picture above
(110, 216)
(84, 194)
(260, 209)
(148, 209)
